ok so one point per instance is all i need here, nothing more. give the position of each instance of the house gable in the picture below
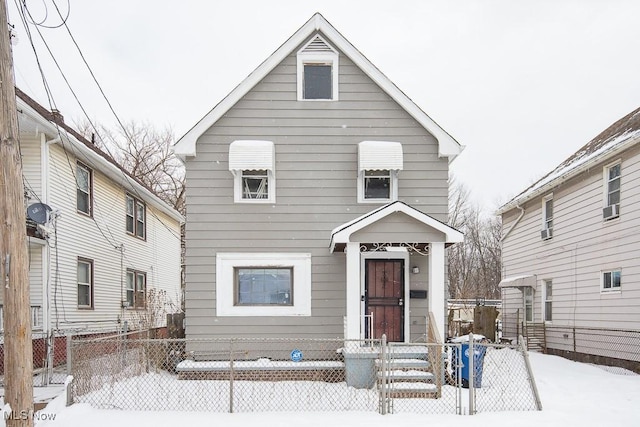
(408, 220)
(611, 142)
(398, 227)
(316, 160)
(447, 145)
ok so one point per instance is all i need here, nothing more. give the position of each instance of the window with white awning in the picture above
(378, 165)
(252, 162)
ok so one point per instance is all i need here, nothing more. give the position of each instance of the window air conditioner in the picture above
(611, 212)
(546, 234)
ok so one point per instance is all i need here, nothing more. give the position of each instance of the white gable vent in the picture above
(251, 155)
(317, 45)
(380, 155)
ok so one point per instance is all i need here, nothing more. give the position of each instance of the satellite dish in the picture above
(38, 213)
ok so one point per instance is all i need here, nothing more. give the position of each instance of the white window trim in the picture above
(543, 217)
(533, 304)
(89, 192)
(379, 155)
(90, 284)
(612, 289)
(252, 156)
(393, 193)
(325, 58)
(545, 300)
(237, 184)
(225, 286)
(605, 181)
(545, 199)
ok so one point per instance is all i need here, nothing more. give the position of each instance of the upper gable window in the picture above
(378, 165)
(252, 164)
(317, 64)
(317, 81)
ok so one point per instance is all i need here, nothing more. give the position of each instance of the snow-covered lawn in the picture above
(572, 394)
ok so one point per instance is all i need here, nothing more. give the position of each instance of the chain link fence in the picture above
(247, 375)
(49, 358)
(612, 347)
(503, 381)
(50, 363)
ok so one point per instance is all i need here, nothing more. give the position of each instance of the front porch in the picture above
(395, 273)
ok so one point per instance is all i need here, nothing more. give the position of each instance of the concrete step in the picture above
(406, 364)
(396, 376)
(412, 390)
(407, 352)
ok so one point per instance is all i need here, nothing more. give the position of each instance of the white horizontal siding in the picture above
(99, 239)
(583, 245)
(32, 167)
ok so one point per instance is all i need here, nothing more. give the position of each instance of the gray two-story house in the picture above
(316, 202)
(570, 251)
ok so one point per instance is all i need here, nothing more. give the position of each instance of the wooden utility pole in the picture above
(18, 356)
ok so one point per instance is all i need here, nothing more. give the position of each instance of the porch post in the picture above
(437, 285)
(352, 331)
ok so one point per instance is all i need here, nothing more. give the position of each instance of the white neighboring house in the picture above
(570, 250)
(108, 240)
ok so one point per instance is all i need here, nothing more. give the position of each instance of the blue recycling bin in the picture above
(461, 359)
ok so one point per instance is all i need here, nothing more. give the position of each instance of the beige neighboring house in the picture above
(317, 194)
(101, 241)
(570, 250)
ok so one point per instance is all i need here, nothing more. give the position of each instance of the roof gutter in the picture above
(101, 163)
(515, 203)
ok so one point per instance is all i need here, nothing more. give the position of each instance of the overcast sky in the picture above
(521, 84)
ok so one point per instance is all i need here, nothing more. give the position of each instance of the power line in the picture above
(52, 106)
(124, 129)
(46, 15)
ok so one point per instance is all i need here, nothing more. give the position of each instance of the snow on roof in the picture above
(625, 131)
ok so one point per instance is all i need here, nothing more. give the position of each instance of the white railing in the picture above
(366, 327)
(36, 318)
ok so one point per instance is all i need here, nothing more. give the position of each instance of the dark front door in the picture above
(384, 297)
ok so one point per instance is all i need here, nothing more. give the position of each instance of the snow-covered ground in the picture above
(573, 394)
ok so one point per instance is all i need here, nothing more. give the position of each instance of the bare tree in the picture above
(145, 153)
(475, 264)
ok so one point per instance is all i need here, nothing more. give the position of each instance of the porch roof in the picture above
(342, 234)
(525, 280)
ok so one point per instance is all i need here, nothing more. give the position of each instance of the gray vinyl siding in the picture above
(316, 145)
(397, 227)
(583, 246)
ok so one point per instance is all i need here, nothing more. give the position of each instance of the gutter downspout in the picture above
(514, 224)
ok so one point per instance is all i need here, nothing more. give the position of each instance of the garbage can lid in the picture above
(465, 338)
